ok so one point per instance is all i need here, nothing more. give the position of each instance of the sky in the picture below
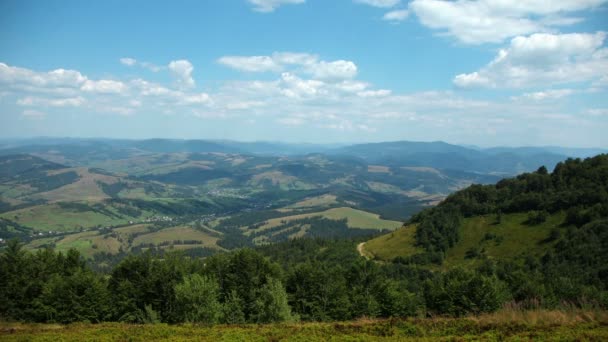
(474, 72)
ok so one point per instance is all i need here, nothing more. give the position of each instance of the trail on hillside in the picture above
(362, 251)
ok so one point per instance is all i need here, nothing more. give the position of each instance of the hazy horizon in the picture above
(324, 144)
(308, 71)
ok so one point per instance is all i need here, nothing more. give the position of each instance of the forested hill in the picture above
(577, 187)
(544, 234)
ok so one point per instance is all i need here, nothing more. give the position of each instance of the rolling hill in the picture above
(558, 219)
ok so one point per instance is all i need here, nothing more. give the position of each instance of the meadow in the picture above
(479, 236)
(508, 324)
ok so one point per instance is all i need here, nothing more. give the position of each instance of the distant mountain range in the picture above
(439, 155)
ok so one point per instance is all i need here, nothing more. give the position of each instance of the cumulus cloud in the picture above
(266, 6)
(543, 59)
(374, 93)
(10, 75)
(128, 61)
(104, 86)
(70, 90)
(551, 94)
(379, 3)
(336, 70)
(493, 21)
(250, 63)
(397, 15)
(51, 102)
(293, 62)
(182, 72)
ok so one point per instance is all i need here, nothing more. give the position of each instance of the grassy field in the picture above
(507, 239)
(355, 219)
(176, 233)
(318, 201)
(91, 242)
(55, 218)
(537, 325)
(388, 246)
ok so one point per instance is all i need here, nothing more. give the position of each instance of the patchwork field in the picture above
(112, 241)
(54, 217)
(356, 219)
(176, 233)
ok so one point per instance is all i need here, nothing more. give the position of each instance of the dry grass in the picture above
(509, 324)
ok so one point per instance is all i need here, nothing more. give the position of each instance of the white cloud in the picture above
(374, 93)
(182, 71)
(293, 62)
(598, 112)
(250, 63)
(294, 58)
(146, 65)
(336, 70)
(277, 62)
(493, 21)
(46, 102)
(128, 61)
(397, 15)
(267, 6)
(543, 59)
(551, 94)
(244, 105)
(351, 86)
(295, 87)
(55, 78)
(379, 3)
(104, 86)
(199, 98)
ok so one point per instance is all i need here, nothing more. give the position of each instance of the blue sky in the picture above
(484, 72)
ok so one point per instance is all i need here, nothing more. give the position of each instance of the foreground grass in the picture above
(511, 325)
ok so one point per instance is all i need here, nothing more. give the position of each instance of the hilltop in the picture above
(557, 220)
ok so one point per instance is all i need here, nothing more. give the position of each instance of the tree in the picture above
(80, 297)
(197, 299)
(271, 304)
(232, 309)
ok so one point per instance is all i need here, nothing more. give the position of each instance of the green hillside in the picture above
(557, 220)
(481, 238)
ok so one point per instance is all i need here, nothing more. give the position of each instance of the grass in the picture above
(505, 325)
(177, 233)
(512, 237)
(355, 219)
(517, 238)
(318, 201)
(89, 243)
(394, 244)
(53, 217)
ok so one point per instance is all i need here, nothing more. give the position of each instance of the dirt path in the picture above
(362, 251)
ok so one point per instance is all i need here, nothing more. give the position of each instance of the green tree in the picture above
(232, 309)
(197, 299)
(80, 297)
(271, 304)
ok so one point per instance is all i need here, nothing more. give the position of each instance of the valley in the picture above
(114, 197)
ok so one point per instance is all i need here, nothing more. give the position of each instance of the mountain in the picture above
(559, 219)
(440, 155)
